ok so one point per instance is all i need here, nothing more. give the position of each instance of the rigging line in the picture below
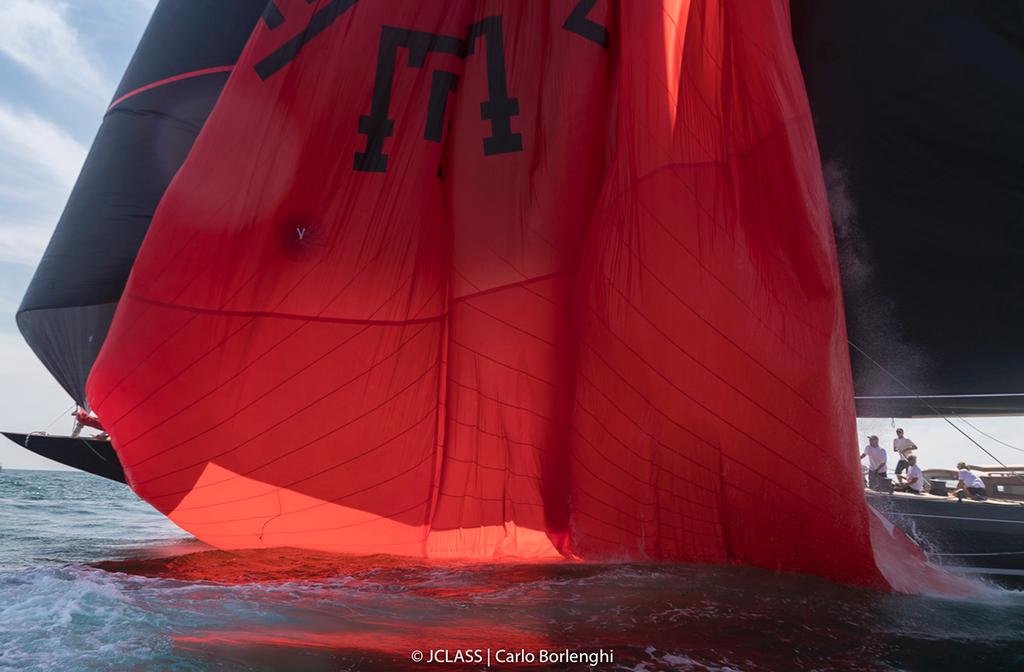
(983, 433)
(95, 452)
(62, 414)
(925, 402)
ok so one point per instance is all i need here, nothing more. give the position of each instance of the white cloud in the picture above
(23, 242)
(36, 35)
(41, 144)
(39, 162)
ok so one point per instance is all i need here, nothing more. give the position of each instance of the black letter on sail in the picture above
(376, 125)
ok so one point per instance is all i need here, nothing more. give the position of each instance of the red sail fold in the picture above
(499, 279)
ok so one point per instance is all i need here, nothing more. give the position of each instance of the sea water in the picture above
(93, 579)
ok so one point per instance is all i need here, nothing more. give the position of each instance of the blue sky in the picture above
(59, 65)
(60, 62)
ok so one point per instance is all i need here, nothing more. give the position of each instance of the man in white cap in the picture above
(876, 462)
(970, 483)
(914, 481)
(905, 447)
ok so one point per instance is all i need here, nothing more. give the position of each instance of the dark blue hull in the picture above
(89, 455)
(969, 537)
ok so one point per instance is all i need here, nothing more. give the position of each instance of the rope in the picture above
(1003, 443)
(95, 452)
(62, 414)
(925, 402)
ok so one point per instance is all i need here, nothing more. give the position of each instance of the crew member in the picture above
(914, 482)
(85, 419)
(905, 447)
(969, 482)
(876, 463)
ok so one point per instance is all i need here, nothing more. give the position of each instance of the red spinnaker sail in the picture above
(496, 278)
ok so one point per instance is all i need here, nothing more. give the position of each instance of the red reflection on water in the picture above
(290, 564)
(286, 609)
(375, 611)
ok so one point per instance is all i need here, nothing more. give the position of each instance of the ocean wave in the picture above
(82, 592)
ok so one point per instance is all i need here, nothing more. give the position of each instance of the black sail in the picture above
(918, 107)
(167, 92)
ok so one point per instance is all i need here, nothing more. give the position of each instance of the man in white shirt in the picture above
(914, 482)
(876, 463)
(970, 482)
(905, 447)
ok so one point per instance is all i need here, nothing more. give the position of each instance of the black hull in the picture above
(968, 537)
(89, 455)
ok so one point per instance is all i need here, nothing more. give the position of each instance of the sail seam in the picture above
(289, 316)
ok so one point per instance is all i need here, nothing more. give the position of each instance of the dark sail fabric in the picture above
(491, 279)
(918, 107)
(161, 104)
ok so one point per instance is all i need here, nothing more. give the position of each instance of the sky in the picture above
(60, 62)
